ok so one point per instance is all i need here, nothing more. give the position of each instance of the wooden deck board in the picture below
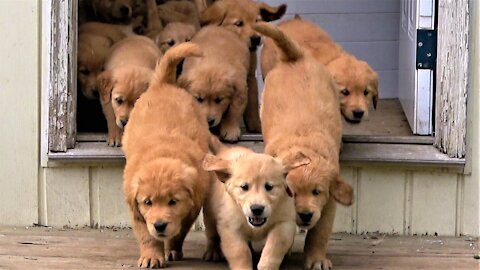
(47, 248)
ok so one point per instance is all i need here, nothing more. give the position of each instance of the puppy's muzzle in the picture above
(122, 123)
(254, 42)
(160, 227)
(305, 217)
(257, 211)
(358, 114)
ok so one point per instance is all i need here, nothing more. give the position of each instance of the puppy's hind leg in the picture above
(279, 241)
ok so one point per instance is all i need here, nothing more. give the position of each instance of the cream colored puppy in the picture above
(127, 75)
(250, 202)
(300, 112)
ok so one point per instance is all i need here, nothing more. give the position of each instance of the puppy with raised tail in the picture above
(164, 183)
(249, 202)
(301, 113)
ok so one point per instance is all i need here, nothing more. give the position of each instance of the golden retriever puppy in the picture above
(94, 42)
(238, 16)
(116, 11)
(251, 202)
(356, 80)
(183, 11)
(127, 74)
(173, 34)
(219, 79)
(301, 113)
(164, 183)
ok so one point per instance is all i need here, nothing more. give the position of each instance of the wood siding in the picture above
(394, 200)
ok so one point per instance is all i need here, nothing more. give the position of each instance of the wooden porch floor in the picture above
(47, 248)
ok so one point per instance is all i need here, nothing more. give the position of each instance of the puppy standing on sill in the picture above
(249, 202)
(301, 113)
(356, 81)
(238, 16)
(218, 80)
(164, 145)
(127, 75)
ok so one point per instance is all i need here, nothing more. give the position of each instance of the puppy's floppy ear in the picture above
(341, 191)
(131, 198)
(220, 166)
(105, 85)
(214, 14)
(294, 160)
(269, 13)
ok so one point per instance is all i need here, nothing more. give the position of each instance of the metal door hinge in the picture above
(426, 49)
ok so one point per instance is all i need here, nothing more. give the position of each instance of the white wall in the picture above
(19, 106)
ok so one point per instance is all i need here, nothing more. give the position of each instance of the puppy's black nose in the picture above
(125, 11)
(257, 209)
(255, 41)
(358, 114)
(96, 94)
(211, 122)
(124, 122)
(305, 216)
(160, 226)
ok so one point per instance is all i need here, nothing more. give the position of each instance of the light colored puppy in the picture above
(164, 145)
(250, 202)
(127, 74)
(238, 16)
(173, 34)
(301, 113)
(356, 80)
(219, 79)
(94, 42)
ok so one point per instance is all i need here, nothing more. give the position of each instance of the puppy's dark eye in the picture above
(119, 101)
(171, 42)
(172, 202)
(365, 92)
(345, 92)
(316, 192)
(238, 23)
(147, 202)
(218, 100)
(268, 186)
(85, 72)
(200, 99)
(187, 39)
(244, 187)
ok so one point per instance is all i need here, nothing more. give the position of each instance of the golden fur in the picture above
(164, 183)
(94, 43)
(183, 11)
(127, 75)
(173, 34)
(219, 80)
(238, 16)
(117, 11)
(254, 204)
(301, 113)
(356, 81)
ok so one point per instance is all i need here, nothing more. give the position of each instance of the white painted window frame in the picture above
(67, 150)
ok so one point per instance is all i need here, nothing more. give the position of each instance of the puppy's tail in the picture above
(214, 144)
(166, 70)
(288, 50)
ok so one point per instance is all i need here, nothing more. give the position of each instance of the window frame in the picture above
(59, 138)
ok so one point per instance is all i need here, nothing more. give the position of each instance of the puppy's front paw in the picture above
(152, 262)
(114, 140)
(317, 263)
(173, 255)
(230, 133)
(213, 254)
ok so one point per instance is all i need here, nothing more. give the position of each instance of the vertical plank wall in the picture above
(393, 200)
